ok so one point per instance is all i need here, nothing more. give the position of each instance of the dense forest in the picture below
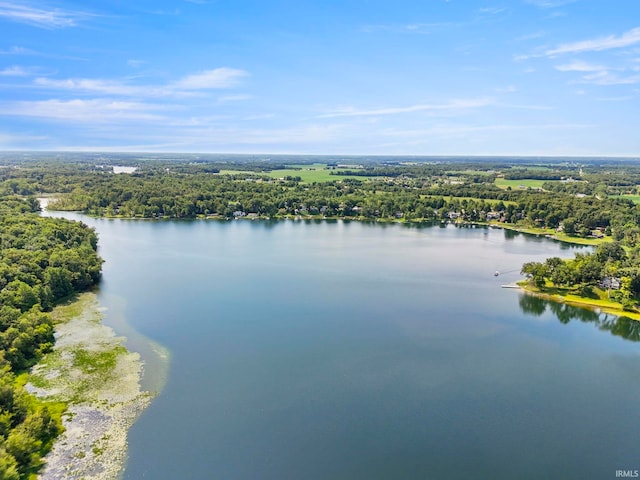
(42, 261)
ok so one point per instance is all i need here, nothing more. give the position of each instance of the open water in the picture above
(336, 350)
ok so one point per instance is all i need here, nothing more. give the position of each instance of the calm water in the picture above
(353, 351)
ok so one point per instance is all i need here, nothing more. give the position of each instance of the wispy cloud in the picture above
(524, 106)
(627, 39)
(6, 137)
(135, 63)
(600, 74)
(491, 14)
(10, 141)
(88, 85)
(492, 10)
(456, 130)
(615, 99)
(550, 3)
(15, 71)
(610, 42)
(580, 66)
(453, 105)
(17, 51)
(531, 36)
(234, 98)
(94, 110)
(609, 78)
(415, 28)
(218, 78)
(40, 17)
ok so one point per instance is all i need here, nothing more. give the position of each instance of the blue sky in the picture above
(430, 77)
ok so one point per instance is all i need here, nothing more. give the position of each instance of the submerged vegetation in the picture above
(91, 372)
(42, 261)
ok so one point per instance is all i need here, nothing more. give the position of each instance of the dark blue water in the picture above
(305, 350)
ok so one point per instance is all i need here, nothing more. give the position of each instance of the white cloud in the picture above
(599, 74)
(608, 78)
(223, 77)
(106, 87)
(40, 17)
(453, 105)
(14, 71)
(94, 110)
(218, 78)
(627, 39)
(580, 66)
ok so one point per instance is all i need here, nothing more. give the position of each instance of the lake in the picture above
(337, 350)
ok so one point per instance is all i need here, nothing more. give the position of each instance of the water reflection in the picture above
(624, 327)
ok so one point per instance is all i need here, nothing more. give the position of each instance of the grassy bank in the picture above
(93, 373)
(599, 301)
(549, 233)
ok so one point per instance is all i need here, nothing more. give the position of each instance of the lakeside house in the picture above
(613, 283)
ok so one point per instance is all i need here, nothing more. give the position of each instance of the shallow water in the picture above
(304, 350)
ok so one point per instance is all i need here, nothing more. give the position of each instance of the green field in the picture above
(312, 173)
(516, 184)
(633, 198)
(308, 173)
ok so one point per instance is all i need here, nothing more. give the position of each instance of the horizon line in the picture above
(401, 155)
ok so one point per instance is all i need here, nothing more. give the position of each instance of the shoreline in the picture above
(602, 306)
(550, 234)
(92, 372)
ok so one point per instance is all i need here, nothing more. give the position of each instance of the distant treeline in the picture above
(421, 193)
(533, 174)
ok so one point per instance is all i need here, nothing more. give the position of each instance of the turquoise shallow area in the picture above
(304, 350)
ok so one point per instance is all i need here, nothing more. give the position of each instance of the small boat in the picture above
(496, 273)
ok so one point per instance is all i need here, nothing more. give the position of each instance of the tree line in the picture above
(42, 261)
